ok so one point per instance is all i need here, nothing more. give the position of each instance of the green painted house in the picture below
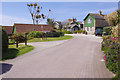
(93, 22)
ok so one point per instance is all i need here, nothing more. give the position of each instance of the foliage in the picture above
(20, 37)
(113, 18)
(67, 32)
(115, 30)
(75, 32)
(38, 34)
(54, 34)
(111, 48)
(51, 39)
(14, 52)
(35, 11)
(107, 30)
(4, 43)
(51, 22)
(80, 31)
(34, 34)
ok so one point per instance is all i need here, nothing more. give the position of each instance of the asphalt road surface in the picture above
(79, 57)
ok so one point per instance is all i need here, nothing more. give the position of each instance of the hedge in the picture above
(107, 30)
(111, 48)
(38, 34)
(4, 43)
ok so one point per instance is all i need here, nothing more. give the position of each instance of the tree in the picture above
(113, 18)
(51, 22)
(35, 11)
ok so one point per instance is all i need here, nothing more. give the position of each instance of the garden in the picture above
(111, 44)
(12, 51)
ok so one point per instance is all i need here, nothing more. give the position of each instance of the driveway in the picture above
(79, 57)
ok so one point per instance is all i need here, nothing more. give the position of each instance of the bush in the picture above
(67, 32)
(54, 34)
(80, 31)
(84, 32)
(111, 48)
(75, 32)
(4, 43)
(107, 30)
(20, 37)
(34, 34)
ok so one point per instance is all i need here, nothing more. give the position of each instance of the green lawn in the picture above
(51, 39)
(14, 52)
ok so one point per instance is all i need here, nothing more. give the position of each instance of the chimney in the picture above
(74, 19)
(100, 12)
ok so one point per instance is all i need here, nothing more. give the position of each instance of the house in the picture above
(58, 25)
(70, 25)
(26, 28)
(75, 25)
(92, 22)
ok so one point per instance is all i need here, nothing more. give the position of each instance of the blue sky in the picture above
(17, 12)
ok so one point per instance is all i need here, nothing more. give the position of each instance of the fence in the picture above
(17, 42)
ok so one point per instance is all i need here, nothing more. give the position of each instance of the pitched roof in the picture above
(30, 27)
(96, 16)
(8, 29)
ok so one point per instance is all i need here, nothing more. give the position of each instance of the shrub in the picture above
(67, 32)
(111, 48)
(4, 42)
(107, 30)
(75, 32)
(79, 31)
(34, 34)
(20, 37)
(54, 34)
(84, 32)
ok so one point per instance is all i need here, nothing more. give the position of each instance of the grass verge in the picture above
(51, 39)
(14, 52)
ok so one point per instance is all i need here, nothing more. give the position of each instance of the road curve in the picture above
(79, 57)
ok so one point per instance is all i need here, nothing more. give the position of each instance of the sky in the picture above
(17, 12)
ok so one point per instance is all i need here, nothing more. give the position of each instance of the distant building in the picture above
(26, 28)
(94, 21)
(69, 25)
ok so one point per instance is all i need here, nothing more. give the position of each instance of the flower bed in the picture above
(111, 48)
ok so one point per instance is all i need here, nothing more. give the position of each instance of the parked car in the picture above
(98, 32)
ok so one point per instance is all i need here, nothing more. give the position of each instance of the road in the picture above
(79, 57)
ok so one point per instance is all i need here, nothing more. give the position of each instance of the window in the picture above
(89, 20)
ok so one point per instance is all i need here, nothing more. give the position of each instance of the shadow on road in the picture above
(4, 67)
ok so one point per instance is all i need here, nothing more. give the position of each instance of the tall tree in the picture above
(113, 18)
(51, 22)
(35, 11)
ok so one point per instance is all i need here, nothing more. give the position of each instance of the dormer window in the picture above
(89, 20)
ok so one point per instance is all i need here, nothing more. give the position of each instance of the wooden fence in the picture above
(17, 42)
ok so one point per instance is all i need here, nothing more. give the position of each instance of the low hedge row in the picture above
(38, 34)
(111, 48)
(80, 31)
(67, 32)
